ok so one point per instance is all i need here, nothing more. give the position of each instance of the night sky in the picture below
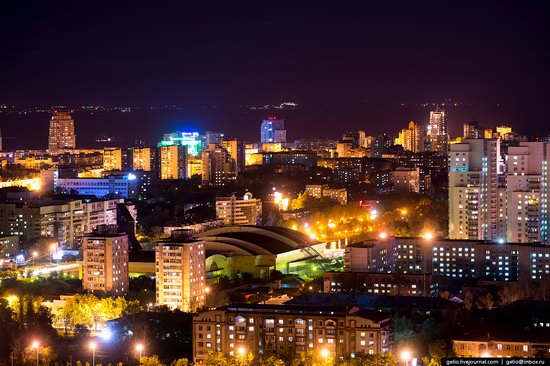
(316, 53)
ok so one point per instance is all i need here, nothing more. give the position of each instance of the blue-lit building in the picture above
(124, 185)
(273, 130)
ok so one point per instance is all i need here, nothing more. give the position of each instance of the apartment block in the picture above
(105, 261)
(180, 271)
(262, 329)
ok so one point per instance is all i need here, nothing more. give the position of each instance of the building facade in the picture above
(264, 329)
(105, 261)
(439, 134)
(272, 129)
(180, 272)
(473, 189)
(239, 211)
(173, 162)
(61, 134)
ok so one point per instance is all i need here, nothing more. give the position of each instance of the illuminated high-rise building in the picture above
(439, 134)
(412, 138)
(144, 159)
(235, 148)
(218, 167)
(62, 134)
(472, 130)
(211, 137)
(527, 193)
(180, 271)
(234, 210)
(105, 261)
(190, 140)
(173, 162)
(473, 189)
(117, 159)
(273, 130)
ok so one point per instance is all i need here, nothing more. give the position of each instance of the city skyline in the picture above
(344, 55)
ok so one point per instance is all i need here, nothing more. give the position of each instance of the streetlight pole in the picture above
(139, 349)
(93, 346)
(36, 346)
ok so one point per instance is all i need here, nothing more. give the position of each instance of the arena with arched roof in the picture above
(258, 250)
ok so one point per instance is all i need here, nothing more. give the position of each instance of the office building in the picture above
(290, 329)
(412, 138)
(105, 261)
(180, 274)
(472, 130)
(460, 259)
(61, 134)
(377, 283)
(234, 210)
(439, 134)
(124, 185)
(173, 162)
(144, 158)
(118, 159)
(287, 160)
(64, 220)
(273, 130)
(190, 140)
(235, 148)
(211, 137)
(473, 189)
(218, 168)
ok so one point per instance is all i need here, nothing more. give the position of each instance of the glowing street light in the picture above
(36, 346)
(428, 235)
(34, 255)
(406, 356)
(325, 353)
(242, 351)
(383, 235)
(139, 350)
(485, 355)
(93, 346)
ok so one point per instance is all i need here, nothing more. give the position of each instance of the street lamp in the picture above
(325, 353)
(406, 356)
(428, 235)
(36, 346)
(34, 255)
(139, 350)
(93, 346)
(242, 351)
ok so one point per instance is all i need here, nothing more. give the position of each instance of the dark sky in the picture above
(311, 52)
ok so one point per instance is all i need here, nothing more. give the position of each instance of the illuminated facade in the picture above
(273, 130)
(290, 329)
(180, 274)
(473, 189)
(218, 167)
(173, 162)
(63, 220)
(105, 261)
(144, 159)
(61, 134)
(117, 159)
(190, 140)
(239, 211)
(527, 193)
(412, 138)
(439, 134)
(235, 148)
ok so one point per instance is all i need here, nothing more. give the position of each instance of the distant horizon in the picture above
(30, 130)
